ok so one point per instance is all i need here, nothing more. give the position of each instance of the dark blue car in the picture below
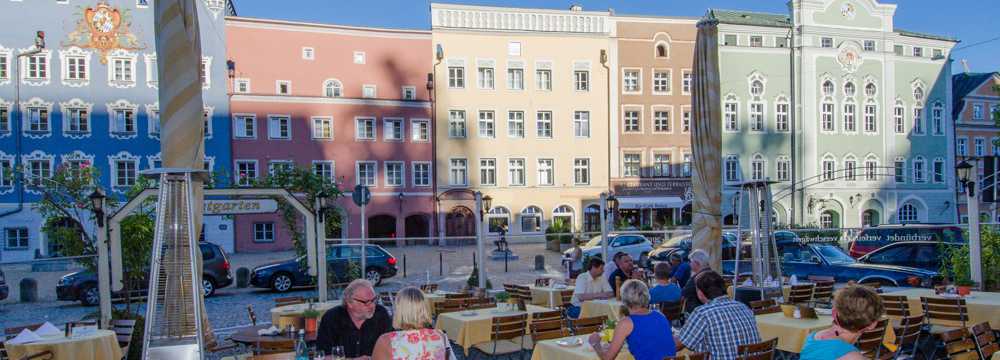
(282, 276)
(919, 254)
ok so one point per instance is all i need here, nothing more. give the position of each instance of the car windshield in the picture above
(834, 254)
(675, 242)
(594, 242)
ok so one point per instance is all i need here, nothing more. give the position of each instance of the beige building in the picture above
(651, 167)
(521, 99)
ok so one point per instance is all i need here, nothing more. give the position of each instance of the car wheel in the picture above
(90, 296)
(373, 276)
(208, 285)
(281, 282)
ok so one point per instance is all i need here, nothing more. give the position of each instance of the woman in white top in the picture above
(414, 339)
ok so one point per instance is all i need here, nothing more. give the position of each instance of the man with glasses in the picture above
(356, 324)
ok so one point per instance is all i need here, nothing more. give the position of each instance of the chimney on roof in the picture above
(576, 7)
(965, 65)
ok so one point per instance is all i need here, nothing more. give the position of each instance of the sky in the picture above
(971, 21)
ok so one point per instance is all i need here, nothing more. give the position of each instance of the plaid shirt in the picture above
(719, 327)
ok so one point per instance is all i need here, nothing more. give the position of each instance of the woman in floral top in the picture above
(414, 339)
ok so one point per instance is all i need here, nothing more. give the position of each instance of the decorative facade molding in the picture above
(153, 120)
(26, 115)
(36, 155)
(75, 52)
(112, 160)
(76, 103)
(129, 68)
(512, 19)
(78, 155)
(112, 111)
(42, 81)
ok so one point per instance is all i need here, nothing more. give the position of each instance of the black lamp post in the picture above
(97, 203)
(612, 204)
(487, 204)
(964, 168)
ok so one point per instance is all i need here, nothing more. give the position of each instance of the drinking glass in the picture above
(337, 353)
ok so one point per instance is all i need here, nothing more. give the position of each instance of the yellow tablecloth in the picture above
(547, 296)
(785, 290)
(101, 345)
(549, 350)
(592, 308)
(982, 306)
(282, 316)
(996, 356)
(469, 330)
(791, 333)
(434, 298)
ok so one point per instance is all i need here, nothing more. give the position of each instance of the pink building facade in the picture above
(349, 103)
(977, 135)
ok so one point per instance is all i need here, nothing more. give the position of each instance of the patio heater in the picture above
(757, 224)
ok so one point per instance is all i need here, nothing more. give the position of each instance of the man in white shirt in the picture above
(590, 285)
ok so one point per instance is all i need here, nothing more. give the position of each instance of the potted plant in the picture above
(502, 297)
(312, 317)
(964, 286)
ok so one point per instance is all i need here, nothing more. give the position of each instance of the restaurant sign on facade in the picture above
(242, 206)
(648, 187)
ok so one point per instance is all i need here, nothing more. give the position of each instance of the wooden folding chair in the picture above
(428, 288)
(583, 326)
(446, 306)
(870, 342)
(767, 306)
(547, 316)
(291, 300)
(760, 351)
(545, 330)
(459, 296)
(507, 336)
(800, 294)
(275, 347)
(959, 345)
(907, 334)
(479, 303)
(986, 341)
(565, 298)
(896, 307)
(943, 315)
(823, 292)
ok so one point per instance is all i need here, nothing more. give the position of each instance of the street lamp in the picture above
(964, 169)
(97, 203)
(430, 81)
(487, 203)
(19, 132)
(612, 204)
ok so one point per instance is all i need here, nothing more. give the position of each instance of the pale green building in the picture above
(872, 140)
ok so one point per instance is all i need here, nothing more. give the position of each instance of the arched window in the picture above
(498, 218)
(871, 90)
(731, 113)
(531, 219)
(918, 93)
(899, 117)
(869, 218)
(757, 167)
(829, 168)
(850, 168)
(937, 119)
(907, 214)
(757, 88)
(333, 88)
(849, 89)
(563, 215)
(829, 219)
(662, 51)
(828, 88)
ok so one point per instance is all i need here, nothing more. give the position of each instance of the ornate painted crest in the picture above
(849, 58)
(105, 29)
(848, 11)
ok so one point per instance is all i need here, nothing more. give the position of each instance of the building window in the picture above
(630, 81)
(409, 93)
(685, 120)
(581, 124)
(756, 116)
(756, 41)
(918, 120)
(826, 42)
(16, 238)
(122, 70)
(38, 67)
(937, 119)
(38, 120)
(487, 172)
(247, 170)
(4, 117)
(781, 116)
(732, 122)
(531, 220)
(364, 129)
(938, 171)
(456, 77)
(581, 80)
(458, 172)
(359, 57)
(515, 168)
(828, 88)
(394, 173)
(123, 122)
(780, 42)
(421, 174)
(907, 214)
(420, 131)
(369, 91)
(869, 45)
(918, 51)
(850, 90)
(871, 169)
(283, 87)
(497, 218)
(899, 171)
(850, 169)
(367, 172)
(4, 65)
(661, 121)
(661, 165)
(515, 78)
(662, 51)
(392, 129)
(870, 118)
(546, 172)
(322, 128)
(732, 168)
(515, 124)
(279, 127)
(242, 86)
(581, 171)
(661, 82)
(686, 166)
(757, 168)
(977, 112)
(76, 120)
(487, 124)
(486, 78)
(686, 81)
(631, 121)
(39, 169)
(333, 88)
(938, 54)
(543, 124)
(125, 172)
(76, 68)
(826, 116)
(6, 172)
(279, 167)
(899, 119)
(730, 40)
(829, 169)
(963, 147)
(263, 232)
(871, 90)
(850, 114)
(784, 168)
(456, 124)
(308, 53)
(632, 165)
(245, 126)
(543, 79)
(325, 169)
(980, 144)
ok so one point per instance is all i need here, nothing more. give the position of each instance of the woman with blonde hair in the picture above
(414, 338)
(647, 333)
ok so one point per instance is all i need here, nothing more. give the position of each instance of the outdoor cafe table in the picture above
(792, 333)
(434, 298)
(469, 330)
(99, 345)
(785, 290)
(550, 350)
(548, 296)
(282, 316)
(250, 337)
(593, 308)
(982, 306)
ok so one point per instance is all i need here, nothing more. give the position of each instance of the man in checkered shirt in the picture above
(721, 325)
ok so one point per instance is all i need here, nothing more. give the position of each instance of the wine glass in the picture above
(337, 353)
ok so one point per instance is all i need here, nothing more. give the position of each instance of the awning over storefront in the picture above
(650, 202)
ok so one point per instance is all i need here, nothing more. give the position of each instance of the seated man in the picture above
(681, 271)
(664, 290)
(721, 325)
(357, 324)
(589, 286)
(626, 271)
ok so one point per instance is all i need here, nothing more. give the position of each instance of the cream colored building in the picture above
(521, 114)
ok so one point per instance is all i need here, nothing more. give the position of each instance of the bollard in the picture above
(28, 290)
(506, 255)
(539, 262)
(440, 263)
(242, 278)
(404, 265)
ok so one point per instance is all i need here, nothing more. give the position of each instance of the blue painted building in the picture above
(90, 97)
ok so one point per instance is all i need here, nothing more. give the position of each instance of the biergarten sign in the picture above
(243, 206)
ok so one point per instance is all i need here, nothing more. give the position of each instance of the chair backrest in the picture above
(959, 344)
(691, 356)
(589, 325)
(766, 306)
(565, 297)
(543, 282)
(448, 305)
(870, 342)
(275, 347)
(479, 303)
(760, 351)
(459, 296)
(985, 339)
(872, 284)
(252, 315)
(520, 292)
(548, 329)
(672, 310)
(547, 316)
(13, 331)
(800, 294)
(428, 288)
(944, 311)
(909, 330)
(823, 291)
(291, 300)
(896, 306)
(509, 327)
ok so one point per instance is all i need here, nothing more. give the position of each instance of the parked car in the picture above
(4, 291)
(284, 275)
(873, 238)
(919, 254)
(682, 245)
(829, 260)
(635, 245)
(82, 285)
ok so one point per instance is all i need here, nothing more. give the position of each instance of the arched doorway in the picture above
(417, 226)
(870, 218)
(686, 212)
(382, 227)
(460, 222)
(829, 219)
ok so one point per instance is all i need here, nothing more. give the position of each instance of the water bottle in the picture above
(301, 350)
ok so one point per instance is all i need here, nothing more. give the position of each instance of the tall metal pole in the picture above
(792, 109)
(364, 241)
(103, 272)
(480, 247)
(604, 227)
(321, 251)
(975, 246)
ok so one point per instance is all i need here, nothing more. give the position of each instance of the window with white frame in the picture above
(732, 168)
(456, 124)
(730, 114)
(366, 172)
(263, 232)
(995, 146)
(76, 118)
(123, 121)
(359, 57)
(662, 121)
(247, 172)
(781, 115)
(5, 65)
(322, 127)
(515, 172)
(6, 172)
(279, 167)
(364, 128)
(899, 118)
(685, 120)
(458, 174)
(850, 116)
(487, 124)
(918, 51)
(486, 77)
(871, 90)
(919, 170)
(907, 214)
(784, 166)
(630, 81)
(938, 171)
(826, 42)
(758, 167)
(829, 168)
(4, 116)
(918, 119)
(392, 129)
(515, 76)
(543, 124)
(546, 172)
(245, 126)
(850, 90)
(37, 66)
(16, 238)
(686, 166)
(283, 87)
(826, 116)
(756, 41)
(581, 171)
(76, 65)
(871, 117)
(963, 146)
(850, 169)
(661, 81)
(369, 91)
(325, 169)
(279, 127)
(756, 116)
(662, 165)
(543, 79)
(497, 218)
(152, 73)
(308, 53)
(37, 118)
(937, 119)
(122, 70)
(488, 172)
(421, 173)
(869, 45)
(409, 93)
(531, 220)
(515, 124)
(631, 164)
(420, 131)
(980, 146)
(333, 88)
(899, 170)
(828, 88)
(871, 168)
(581, 124)
(207, 122)
(39, 168)
(631, 121)
(977, 112)
(394, 173)
(686, 82)
(242, 85)
(581, 80)
(206, 72)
